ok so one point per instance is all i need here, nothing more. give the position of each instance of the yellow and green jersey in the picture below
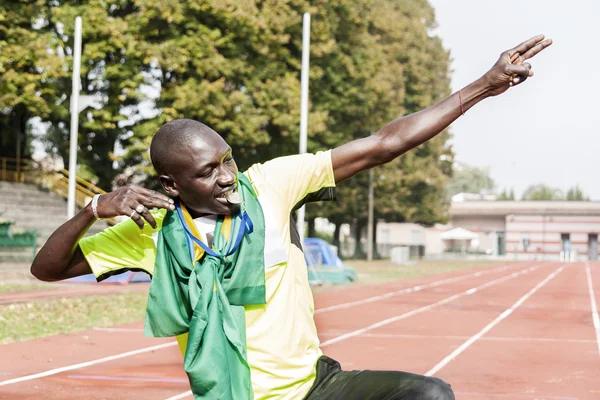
(281, 336)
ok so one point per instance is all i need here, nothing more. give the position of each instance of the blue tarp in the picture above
(324, 266)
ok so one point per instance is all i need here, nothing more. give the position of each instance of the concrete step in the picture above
(11, 196)
(41, 205)
(39, 198)
(31, 207)
(28, 215)
(16, 255)
(17, 187)
(26, 189)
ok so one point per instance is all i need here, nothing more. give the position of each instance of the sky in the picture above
(547, 129)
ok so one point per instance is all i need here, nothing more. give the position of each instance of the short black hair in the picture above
(172, 136)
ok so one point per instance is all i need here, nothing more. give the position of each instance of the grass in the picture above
(23, 321)
(17, 274)
(25, 286)
(384, 270)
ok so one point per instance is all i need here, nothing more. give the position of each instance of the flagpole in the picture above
(304, 106)
(74, 119)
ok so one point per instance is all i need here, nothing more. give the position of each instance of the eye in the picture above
(208, 173)
(228, 160)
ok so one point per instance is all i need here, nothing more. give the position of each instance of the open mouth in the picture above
(227, 195)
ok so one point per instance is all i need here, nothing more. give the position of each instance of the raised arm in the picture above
(61, 258)
(403, 134)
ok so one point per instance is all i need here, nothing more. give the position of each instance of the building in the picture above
(545, 230)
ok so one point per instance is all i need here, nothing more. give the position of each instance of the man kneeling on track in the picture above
(229, 276)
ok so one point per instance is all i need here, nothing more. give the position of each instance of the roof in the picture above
(458, 234)
(502, 208)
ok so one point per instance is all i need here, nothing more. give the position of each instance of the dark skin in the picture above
(201, 173)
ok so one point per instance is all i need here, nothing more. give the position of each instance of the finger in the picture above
(518, 80)
(521, 70)
(136, 217)
(515, 58)
(528, 44)
(153, 199)
(148, 217)
(537, 48)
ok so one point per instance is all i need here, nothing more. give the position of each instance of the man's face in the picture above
(202, 174)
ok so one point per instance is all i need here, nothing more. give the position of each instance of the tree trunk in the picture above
(359, 252)
(376, 255)
(13, 133)
(311, 227)
(336, 234)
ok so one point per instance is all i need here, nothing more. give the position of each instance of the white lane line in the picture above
(489, 326)
(409, 290)
(595, 316)
(86, 364)
(425, 308)
(181, 395)
(485, 338)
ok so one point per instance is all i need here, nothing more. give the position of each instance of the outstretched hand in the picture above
(511, 69)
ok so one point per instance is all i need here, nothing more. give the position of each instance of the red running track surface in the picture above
(520, 331)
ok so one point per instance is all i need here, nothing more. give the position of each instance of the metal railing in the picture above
(17, 169)
(25, 170)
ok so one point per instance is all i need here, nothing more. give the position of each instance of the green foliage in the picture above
(111, 67)
(467, 179)
(542, 192)
(392, 67)
(235, 65)
(576, 194)
(29, 69)
(506, 195)
(36, 68)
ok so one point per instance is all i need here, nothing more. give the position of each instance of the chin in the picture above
(233, 209)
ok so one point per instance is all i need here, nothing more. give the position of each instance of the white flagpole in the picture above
(304, 105)
(74, 118)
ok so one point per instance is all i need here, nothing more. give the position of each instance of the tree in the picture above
(371, 61)
(467, 179)
(576, 194)
(235, 65)
(35, 78)
(542, 192)
(29, 69)
(411, 73)
(232, 65)
(506, 195)
(110, 68)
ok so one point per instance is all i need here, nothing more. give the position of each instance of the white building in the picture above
(517, 229)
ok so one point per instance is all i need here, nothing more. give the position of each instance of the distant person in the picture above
(229, 277)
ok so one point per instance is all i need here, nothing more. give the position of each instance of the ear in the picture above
(169, 185)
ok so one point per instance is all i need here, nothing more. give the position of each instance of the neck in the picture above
(195, 214)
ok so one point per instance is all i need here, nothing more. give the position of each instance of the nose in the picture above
(226, 177)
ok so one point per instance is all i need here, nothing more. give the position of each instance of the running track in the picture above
(520, 331)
